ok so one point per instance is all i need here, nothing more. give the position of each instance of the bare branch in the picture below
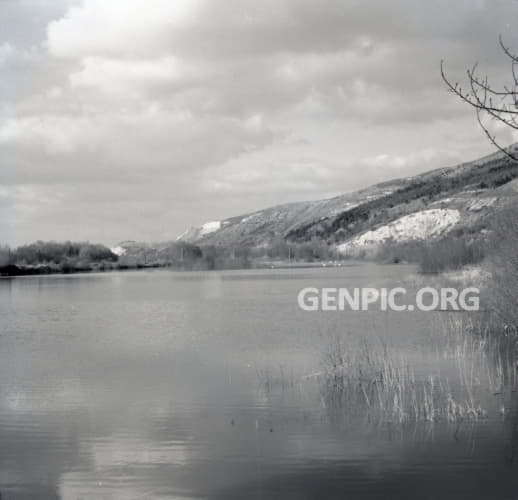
(500, 105)
(493, 140)
(507, 51)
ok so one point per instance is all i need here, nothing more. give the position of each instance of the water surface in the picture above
(150, 385)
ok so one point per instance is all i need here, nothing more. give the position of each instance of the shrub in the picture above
(448, 253)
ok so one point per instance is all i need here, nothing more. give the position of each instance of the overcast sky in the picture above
(135, 119)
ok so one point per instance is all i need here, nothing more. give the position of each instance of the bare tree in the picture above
(499, 105)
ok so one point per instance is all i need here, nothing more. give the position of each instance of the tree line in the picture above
(43, 257)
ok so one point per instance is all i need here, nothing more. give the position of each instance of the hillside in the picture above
(262, 227)
(424, 206)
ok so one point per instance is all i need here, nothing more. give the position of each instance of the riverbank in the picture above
(12, 271)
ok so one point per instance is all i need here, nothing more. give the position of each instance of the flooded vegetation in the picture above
(474, 378)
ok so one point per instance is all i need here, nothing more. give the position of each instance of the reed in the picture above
(270, 379)
(375, 379)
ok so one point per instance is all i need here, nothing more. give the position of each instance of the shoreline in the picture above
(14, 271)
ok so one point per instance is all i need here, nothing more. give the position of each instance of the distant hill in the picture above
(424, 206)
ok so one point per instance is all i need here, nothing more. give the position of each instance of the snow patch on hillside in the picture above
(210, 227)
(118, 250)
(416, 226)
(193, 233)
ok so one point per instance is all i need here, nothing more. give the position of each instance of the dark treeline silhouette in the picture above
(51, 256)
(53, 252)
(44, 257)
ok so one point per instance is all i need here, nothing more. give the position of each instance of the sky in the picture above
(136, 119)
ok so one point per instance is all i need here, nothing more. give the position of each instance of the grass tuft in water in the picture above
(376, 380)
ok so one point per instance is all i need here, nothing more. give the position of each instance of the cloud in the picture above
(55, 135)
(6, 52)
(97, 27)
(296, 179)
(122, 146)
(116, 75)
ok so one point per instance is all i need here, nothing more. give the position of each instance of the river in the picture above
(173, 385)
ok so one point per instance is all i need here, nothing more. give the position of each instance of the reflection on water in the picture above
(148, 385)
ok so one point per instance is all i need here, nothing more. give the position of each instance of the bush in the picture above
(5, 256)
(448, 253)
(45, 252)
(50, 257)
